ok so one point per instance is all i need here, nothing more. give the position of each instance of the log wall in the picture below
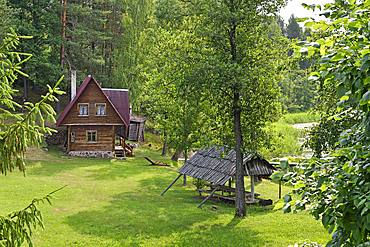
(105, 138)
(92, 95)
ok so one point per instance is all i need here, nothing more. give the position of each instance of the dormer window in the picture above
(100, 109)
(83, 109)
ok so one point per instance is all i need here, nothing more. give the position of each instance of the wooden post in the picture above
(138, 132)
(210, 195)
(229, 186)
(114, 141)
(252, 188)
(69, 138)
(186, 159)
(279, 188)
(171, 184)
(124, 148)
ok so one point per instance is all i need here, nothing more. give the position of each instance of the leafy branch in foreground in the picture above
(18, 226)
(336, 189)
(18, 131)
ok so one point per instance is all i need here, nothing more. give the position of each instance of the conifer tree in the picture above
(293, 30)
(15, 138)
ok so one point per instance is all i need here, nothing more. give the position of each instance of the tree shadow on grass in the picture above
(142, 217)
(120, 169)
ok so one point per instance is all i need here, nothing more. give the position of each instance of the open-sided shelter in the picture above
(217, 166)
(94, 118)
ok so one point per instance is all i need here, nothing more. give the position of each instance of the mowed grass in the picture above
(118, 203)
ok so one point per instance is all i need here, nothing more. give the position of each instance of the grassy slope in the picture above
(117, 203)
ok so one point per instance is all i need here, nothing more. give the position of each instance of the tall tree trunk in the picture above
(164, 151)
(63, 16)
(240, 207)
(186, 159)
(176, 155)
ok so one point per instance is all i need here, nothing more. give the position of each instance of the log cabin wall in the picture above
(104, 138)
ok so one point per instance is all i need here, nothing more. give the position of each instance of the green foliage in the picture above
(223, 63)
(297, 93)
(7, 15)
(248, 68)
(323, 138)
(16, 137)
(336, 188)
(180, 108)
(132, 48)
(285, 141)
(18, 226)
(293, 30)
(302, 117)
(199, 183)
(41, 21)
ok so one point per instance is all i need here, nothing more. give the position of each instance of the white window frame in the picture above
(98, 106)
(78, 109)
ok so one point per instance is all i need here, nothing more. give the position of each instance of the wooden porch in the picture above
(122, 149)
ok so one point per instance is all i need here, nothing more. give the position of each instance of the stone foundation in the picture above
(94, 154)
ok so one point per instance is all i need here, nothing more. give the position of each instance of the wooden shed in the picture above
(94, 119)
(136, 129)
(217, 166)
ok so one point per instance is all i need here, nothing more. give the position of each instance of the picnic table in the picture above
(230, 191)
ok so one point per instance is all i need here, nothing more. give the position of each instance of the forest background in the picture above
(113, 41)
(132, 44)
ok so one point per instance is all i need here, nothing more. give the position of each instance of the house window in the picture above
(91, 136)
(100, 109)
(83, 109)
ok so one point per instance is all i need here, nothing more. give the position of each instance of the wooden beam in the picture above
(210, 195)
(252, 188)
(171, 184)
(279, 188)
(69, 139)
(114, 140)
(138, 132)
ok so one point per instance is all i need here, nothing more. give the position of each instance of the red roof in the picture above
(118, 98)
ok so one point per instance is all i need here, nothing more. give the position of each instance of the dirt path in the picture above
(303, 125)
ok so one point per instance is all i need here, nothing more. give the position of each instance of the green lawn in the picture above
(117, 203)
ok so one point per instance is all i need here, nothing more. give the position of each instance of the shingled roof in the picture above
(207, 165)
(118, 98)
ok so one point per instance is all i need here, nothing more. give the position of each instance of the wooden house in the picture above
(217, 166)
(136, 129)
(95, 118)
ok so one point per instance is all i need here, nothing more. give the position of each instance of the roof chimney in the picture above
(73, 84)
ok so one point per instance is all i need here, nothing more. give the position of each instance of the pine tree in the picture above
(18, 226)
(293, 30)
(41, 21)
